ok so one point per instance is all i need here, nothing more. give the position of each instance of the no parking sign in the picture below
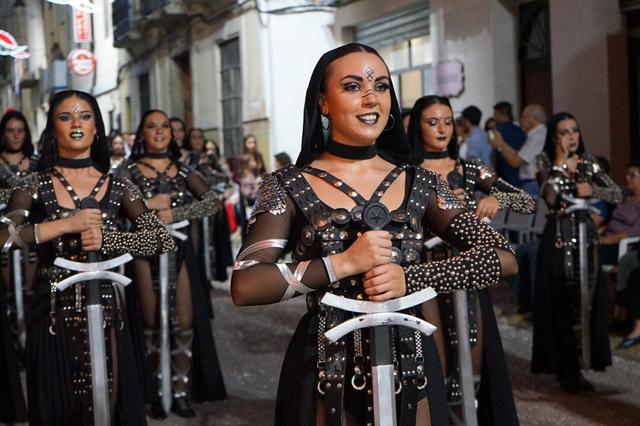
(81, 61)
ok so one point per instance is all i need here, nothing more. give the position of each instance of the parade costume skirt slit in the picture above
(296, 403)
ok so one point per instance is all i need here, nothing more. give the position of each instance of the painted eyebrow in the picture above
(358, 78)
(81, 112)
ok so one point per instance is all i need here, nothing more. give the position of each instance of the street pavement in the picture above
(252, 341)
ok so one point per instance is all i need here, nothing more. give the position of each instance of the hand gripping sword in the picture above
(165, 392)
(91, 273)
(380, 316)
(582, 207)
(465, 365)
(16, 276)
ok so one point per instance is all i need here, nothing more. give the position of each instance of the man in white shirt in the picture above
(533, 121)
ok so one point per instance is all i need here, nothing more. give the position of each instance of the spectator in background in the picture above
(477, 141)
(282, 159)
(490, 124)
(461, 131)
(250, 158)
(515, 137)
(129, 139)
(116, 142)
(179, 132)
(523, 160)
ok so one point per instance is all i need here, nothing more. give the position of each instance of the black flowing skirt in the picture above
(50, 387)
(555, 345)
(12, 406)
(297, 388)
(495, 396)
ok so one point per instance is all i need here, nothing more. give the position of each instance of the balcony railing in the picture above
(150, 6)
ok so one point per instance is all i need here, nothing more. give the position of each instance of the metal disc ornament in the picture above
(376, 215)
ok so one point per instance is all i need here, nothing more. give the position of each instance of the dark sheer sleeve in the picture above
(207, 203)
(257, 277)
(485, 255)
(148, 237)
(508, 196)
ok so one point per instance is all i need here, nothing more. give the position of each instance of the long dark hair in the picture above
(139, 150)
(392, 143)
(414, 132)
(27, 145)
(99, 147)
(185, 138)
(552, 127)
(187, 141)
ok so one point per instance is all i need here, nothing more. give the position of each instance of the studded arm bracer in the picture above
(207, 203)
(149, 237)
(485, 256)
(509, 197)
(604, 188)
(5, 195)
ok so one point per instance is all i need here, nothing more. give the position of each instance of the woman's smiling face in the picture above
(357, 98)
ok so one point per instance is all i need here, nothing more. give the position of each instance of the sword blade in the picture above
(384, 398)
(16, 264)
(165, 345)
(99, 380)
(585, 299)
(464, 358)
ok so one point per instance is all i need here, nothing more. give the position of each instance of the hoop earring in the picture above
(393, 121)
(325, 122)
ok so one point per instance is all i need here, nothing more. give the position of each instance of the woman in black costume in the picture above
(16, 161)
(432, 133)
(16, 150)
(565, 169)
(316, 209)
(169, 188)
(74, 165)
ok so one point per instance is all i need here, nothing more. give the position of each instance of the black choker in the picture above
(435, 155)
(74, 163)
(351, 152)
(157, 154)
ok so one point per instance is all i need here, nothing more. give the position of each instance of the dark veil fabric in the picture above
(392, 144)
(414, 132)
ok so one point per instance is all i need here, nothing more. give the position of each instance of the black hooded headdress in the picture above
(392, 144)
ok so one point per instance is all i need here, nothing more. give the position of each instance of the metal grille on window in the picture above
(231, 97)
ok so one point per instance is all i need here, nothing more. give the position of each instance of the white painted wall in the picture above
(480, 33)
(295, 43)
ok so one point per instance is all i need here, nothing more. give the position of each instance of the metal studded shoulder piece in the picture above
(132, 189)
(510, 197)
(446, 199)
(30, 184)
(271, 197)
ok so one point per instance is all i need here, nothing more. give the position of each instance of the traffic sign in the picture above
(81, 61)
